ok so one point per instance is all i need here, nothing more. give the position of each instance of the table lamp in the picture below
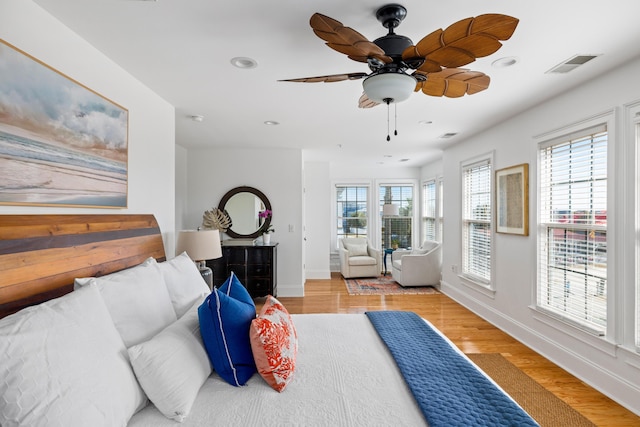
(201, 245)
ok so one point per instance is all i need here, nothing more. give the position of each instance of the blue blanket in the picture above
(448, 388)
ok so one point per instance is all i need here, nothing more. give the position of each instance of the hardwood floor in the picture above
(472, 335)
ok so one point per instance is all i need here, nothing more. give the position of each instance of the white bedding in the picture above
(345, 376)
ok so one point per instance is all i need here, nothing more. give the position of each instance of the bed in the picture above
(348, 370)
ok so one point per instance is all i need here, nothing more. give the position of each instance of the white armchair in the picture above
(418, 267)
(358, 258)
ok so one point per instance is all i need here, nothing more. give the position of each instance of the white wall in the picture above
(610, 364)
(275, 172)
(151, 119)
(317, 232)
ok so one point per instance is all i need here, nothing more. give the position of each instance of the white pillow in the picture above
(184, 282)
(63, 363)
(173, 365)
(357, 249)
(137, 300)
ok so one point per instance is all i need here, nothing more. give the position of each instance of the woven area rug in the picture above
(543, 406)
(384, 285)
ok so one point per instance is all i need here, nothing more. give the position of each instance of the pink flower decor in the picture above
(264, 214)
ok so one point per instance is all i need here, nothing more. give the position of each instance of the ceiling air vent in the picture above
(448, 135)
(571, 64)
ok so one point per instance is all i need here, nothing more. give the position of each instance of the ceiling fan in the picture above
(435, 59)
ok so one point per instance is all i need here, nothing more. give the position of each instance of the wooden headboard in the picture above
(40, 255)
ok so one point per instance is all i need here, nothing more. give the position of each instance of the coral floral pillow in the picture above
(274, 343)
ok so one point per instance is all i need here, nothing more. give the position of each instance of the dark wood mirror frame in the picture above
(255, 192)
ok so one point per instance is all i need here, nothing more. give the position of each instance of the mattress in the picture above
(345, 376)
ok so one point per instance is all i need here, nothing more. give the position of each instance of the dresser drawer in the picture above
(259, 287)
(259, 270)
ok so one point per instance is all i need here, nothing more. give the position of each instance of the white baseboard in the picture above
(317, 274)
(290, 291)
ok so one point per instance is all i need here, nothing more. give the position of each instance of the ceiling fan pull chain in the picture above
(395, 121)
(388, 101)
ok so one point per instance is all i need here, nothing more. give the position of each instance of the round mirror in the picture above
(243, 204)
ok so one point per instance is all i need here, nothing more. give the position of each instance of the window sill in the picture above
(478, 286)
(590, 338)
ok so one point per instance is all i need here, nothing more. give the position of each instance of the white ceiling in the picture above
(182, 49)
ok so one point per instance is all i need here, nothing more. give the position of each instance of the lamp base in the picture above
(206, 273)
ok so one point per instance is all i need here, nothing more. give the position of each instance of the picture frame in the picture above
(512, 200)
(61, 143)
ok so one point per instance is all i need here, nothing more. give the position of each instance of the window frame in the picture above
(483, 284)
(434, 217)
(593, 337)
(334, 210)
(414, 203)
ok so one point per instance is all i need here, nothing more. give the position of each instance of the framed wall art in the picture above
(512, 200)
(61, 143)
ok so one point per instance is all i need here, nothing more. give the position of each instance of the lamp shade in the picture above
(389, 209)
(396, 87)
(200, 245)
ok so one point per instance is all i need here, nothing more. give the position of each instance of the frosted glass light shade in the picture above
(394, 86)
(200, 245)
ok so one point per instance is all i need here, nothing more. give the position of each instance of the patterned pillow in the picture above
(225, 318)
(274, 342)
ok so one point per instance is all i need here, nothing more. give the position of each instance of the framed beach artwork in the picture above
(512, 200)
(61, 143)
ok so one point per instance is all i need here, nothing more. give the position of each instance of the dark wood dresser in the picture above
(255, 266)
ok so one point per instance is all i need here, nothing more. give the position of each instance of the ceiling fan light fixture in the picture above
(395, 87)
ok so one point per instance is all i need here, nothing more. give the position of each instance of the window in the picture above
(397, 229)
(440, 218)
(476, 221)
(351, 211)
(636, 123)
(572, 236)
(429, 220)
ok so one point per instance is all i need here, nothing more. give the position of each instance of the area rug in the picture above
(384, 285)
(543, 406)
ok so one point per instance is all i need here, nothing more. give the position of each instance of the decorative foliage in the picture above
(216, 219)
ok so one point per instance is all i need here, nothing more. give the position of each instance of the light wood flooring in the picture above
(472, 335)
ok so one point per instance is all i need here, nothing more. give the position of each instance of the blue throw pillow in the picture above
(225, 319)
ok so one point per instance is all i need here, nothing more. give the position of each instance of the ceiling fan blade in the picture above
(365, 102)
(462, 42)
(453, 83)
(346, 40)
(328, 79)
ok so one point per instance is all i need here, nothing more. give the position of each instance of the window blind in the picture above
(476, 220)
(573, 229)
(429, 210)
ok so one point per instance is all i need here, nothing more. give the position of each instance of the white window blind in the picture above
(440, 231)
(637, 332)
(476, 220)
(572, 236)
(429, 210)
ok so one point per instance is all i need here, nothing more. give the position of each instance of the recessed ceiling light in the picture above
(243, 62)
(271, 123)
(505, 62)
(404, 160)
(425, 122)
(197, 118)
(387, 155)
